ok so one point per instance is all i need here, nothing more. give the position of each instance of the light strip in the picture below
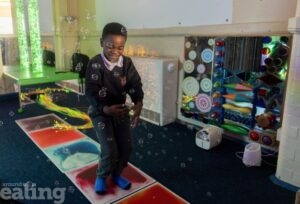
(22, 38)
(35, 38)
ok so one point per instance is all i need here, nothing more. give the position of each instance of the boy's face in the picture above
(113, 47)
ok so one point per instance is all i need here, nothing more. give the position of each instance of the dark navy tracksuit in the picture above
(106, 87)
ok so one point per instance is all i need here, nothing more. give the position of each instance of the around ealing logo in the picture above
(29, 191)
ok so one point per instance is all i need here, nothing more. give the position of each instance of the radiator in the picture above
(160, 83)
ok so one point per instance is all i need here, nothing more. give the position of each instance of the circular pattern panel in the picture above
(206, 84)
(190, 86)
(188, 44)
(188, 66)
(201, 68)
(207, 55)
(211, 41)
(192, 54)
(203, 103)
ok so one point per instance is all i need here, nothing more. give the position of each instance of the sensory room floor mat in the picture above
(76, 155)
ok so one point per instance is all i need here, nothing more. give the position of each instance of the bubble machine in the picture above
(209, 137)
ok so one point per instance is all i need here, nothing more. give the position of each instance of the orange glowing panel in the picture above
(50, 137)
(155, 193)
(84, 178)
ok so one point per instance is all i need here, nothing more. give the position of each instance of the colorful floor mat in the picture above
(77, 155)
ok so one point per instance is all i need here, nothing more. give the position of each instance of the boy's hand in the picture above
(137, 108)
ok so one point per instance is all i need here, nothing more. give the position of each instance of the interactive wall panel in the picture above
(236, 83)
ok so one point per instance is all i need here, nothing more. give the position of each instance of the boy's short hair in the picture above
(114, 28)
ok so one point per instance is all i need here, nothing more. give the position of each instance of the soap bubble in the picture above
(55, 98)
(102, 92)
(70, 19)
(116, 74)
(89, 16)
(11, 113)
(56, 183)
(37, 127)
(190, 159)
(78, 67)
(168, 88)
(71, 189)
(84, 32)
(131, 91)
(150, 135)
(163, 151)
(1, 123)
(182, 165)
(101, 125)
(96, 66)
(29, 185)
(95, 77)
(190, 127)
(37, 157)
(149, 153)
(209, 194)
(66, 150)
(144, 124)
(141, 141)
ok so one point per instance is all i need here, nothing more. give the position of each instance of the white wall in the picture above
(46, 17)
(248, 11)
(163, 13)
(249, 17)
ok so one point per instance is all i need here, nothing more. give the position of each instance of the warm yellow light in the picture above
(139, 50)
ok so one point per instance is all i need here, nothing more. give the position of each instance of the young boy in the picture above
(109, 77)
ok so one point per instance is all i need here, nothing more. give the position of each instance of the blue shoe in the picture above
(100, 186)
(121, 182)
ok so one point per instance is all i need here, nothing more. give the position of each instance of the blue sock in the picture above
(121, 182)
(100, 186)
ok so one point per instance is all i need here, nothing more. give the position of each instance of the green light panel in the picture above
(22, 39)
(35, 38)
